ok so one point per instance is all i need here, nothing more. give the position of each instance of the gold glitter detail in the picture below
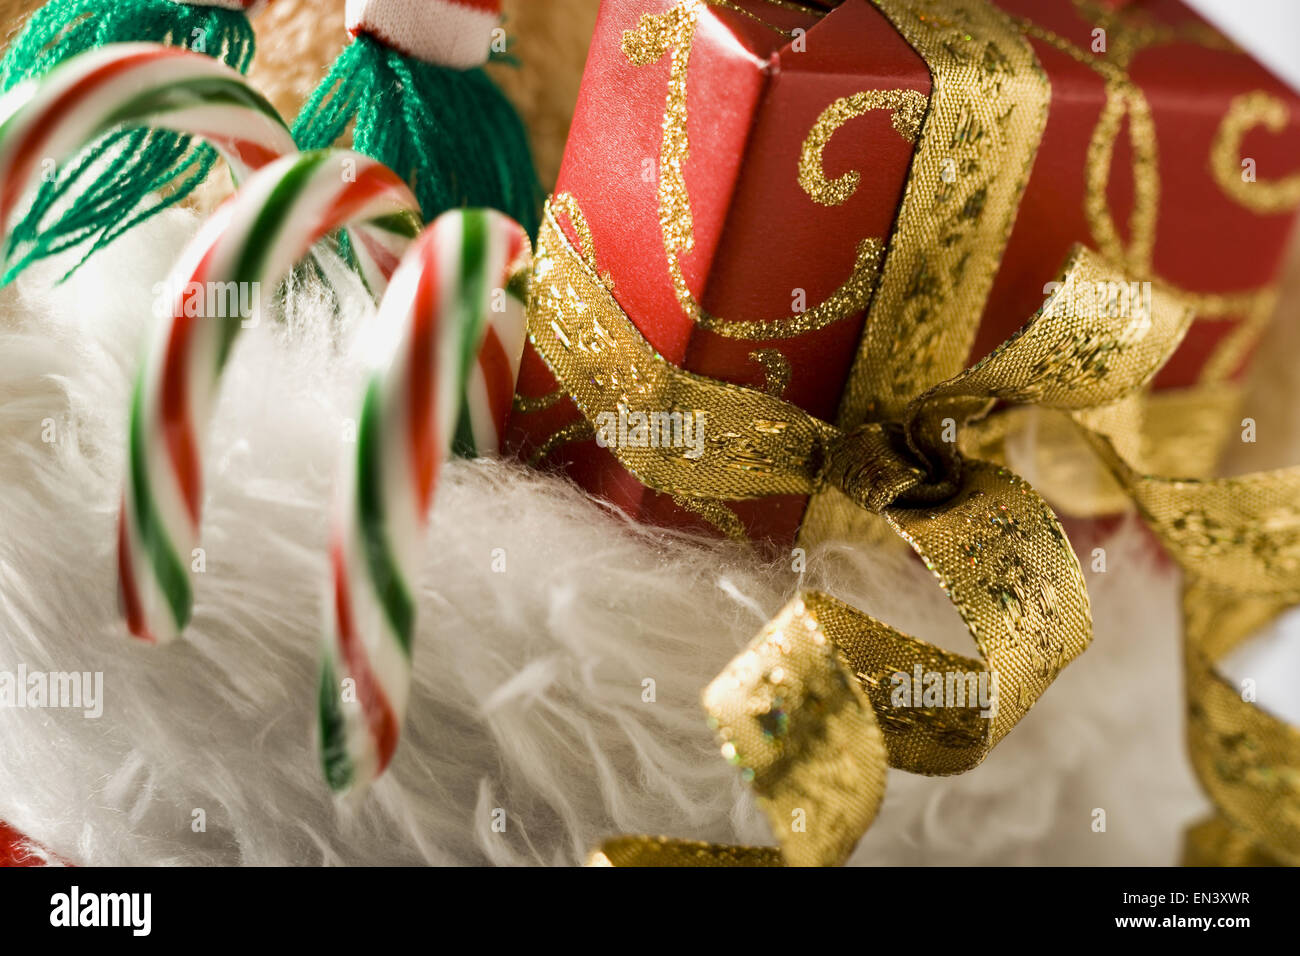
(750, 14)
(908, 108)
(716, 513)
(653, 38)
(1257, 307)
(1127, 34)
(1123, 100)
(1264, 196)
(988, 106)
(580, 430)
(527, 404)
(563, 203)
(776, 370)
(1247, 759)
(666, 852)
(994, 545)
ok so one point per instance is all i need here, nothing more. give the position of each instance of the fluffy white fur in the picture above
(528, 689)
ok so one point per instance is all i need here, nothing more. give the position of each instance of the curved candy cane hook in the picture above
(248, 246)
(52, 118)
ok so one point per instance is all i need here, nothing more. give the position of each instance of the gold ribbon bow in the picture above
(805, 711)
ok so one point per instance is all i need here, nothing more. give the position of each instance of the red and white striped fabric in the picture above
(451, 33)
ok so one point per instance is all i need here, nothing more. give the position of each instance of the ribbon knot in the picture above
(877, 467)
(812, 711)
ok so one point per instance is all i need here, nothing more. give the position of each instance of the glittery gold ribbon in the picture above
(806, 711)
(1247, 759)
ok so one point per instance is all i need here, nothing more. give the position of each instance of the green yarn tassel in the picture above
(451, 134)
(129, 175)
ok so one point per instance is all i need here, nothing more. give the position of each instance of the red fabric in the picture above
(751, 102)
(16, 849)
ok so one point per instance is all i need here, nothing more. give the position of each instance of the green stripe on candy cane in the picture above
(256, 237)
(334, 756)
(481, 420)
(167, 568)
(124, 87)
(440, 328)
(266, 228)
(473, 293)
(394, 596)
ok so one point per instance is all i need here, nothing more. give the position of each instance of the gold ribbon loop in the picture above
(1097, 339)
(1239, 535)
(1096, 342)
(802, 710)
(792, 717)
(811, 711)
(755, 444)
(1247, 759)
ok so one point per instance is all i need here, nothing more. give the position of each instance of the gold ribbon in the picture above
(1247, 759)
(806, 711)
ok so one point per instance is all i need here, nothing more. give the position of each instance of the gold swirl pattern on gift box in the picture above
(988, 107)
(673, 34)
(1264, 196)
(907, 108)
(806, 712)
(1128, 32)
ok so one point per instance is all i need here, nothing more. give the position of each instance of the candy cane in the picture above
(247, 246)
(48, 120)
(451, 336)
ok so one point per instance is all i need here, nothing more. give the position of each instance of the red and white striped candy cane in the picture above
(46, 121)
(451, 335)
(241, 253)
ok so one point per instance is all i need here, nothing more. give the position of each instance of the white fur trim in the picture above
(445, 32)
(528, 675)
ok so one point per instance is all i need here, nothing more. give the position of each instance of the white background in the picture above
(1269, 29)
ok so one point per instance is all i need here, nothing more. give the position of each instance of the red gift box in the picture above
(844, 206)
